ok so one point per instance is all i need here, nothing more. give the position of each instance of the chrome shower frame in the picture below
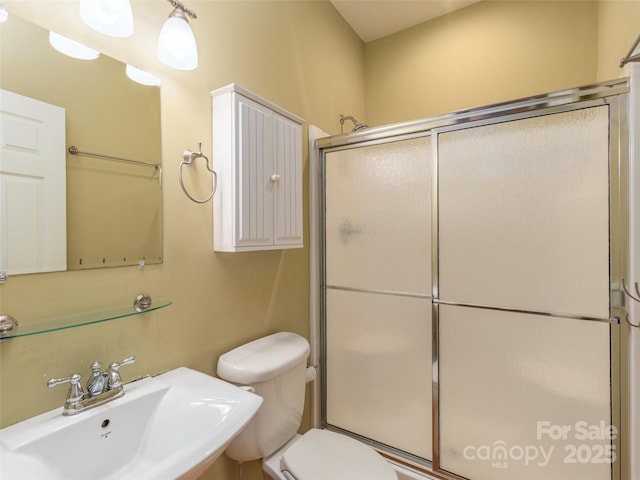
(613, 94)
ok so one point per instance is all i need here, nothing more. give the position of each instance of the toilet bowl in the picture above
(322, 454)
(275, 366)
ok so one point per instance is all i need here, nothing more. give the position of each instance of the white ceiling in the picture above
(373, 19)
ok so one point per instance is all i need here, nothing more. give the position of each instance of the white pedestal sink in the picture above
(169, 426)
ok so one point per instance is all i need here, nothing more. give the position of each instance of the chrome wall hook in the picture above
(188, 158)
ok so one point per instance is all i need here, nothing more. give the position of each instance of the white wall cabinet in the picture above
(257, 153)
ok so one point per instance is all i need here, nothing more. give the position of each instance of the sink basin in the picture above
(169, 426)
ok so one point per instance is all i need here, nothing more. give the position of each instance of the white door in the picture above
(32, 185)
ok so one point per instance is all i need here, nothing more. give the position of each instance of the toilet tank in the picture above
(275, 367)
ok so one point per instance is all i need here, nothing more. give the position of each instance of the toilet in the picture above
(275, 368)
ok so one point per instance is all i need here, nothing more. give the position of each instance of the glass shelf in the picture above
(80, 319)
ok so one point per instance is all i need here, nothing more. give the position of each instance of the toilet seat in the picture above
(322, 455)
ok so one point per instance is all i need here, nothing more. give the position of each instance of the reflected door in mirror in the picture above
(32, 185)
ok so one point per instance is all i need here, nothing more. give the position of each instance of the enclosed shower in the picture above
(472, 321)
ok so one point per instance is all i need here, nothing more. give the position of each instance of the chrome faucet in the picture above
(102, 387)
(98, 381)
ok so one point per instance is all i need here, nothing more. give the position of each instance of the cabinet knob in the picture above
(275, 178)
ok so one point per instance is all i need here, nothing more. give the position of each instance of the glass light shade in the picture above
(140, 76)
(3, 13)
(177, 46)
(72, 48)
(111, 17)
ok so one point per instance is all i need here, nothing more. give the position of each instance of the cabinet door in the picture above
(254, 190)
(287, 182)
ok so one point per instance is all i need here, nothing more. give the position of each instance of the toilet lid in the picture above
(322, 455)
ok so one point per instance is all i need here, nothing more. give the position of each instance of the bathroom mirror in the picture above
(113, 207)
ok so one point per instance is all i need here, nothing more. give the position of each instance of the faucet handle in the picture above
(114, 377)
(75, 392)
(126, 361)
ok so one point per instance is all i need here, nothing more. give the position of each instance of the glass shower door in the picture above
(524, 299)
(470, 289)
(377, 288)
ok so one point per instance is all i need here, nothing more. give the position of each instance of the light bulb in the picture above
(140, 76)
(177, 45)
(72, 48)
(4, 15)
(110, 17)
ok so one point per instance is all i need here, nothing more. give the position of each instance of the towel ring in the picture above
(189, 157)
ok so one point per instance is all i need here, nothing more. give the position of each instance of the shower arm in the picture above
(630, 57)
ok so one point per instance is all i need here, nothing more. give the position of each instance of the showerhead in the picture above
(357, 125)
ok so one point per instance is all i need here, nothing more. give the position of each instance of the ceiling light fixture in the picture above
(3, 13)
(111, 17)
(72, 48)
(177, 46)
(140, 76)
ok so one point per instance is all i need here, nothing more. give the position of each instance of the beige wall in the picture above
(495, 51)
(300, 55)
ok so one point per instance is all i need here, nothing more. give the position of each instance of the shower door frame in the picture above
(614, 94)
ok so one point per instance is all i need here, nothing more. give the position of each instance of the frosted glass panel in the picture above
(378, 221)
(513, 385)
(378, 368)
(524, 214)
